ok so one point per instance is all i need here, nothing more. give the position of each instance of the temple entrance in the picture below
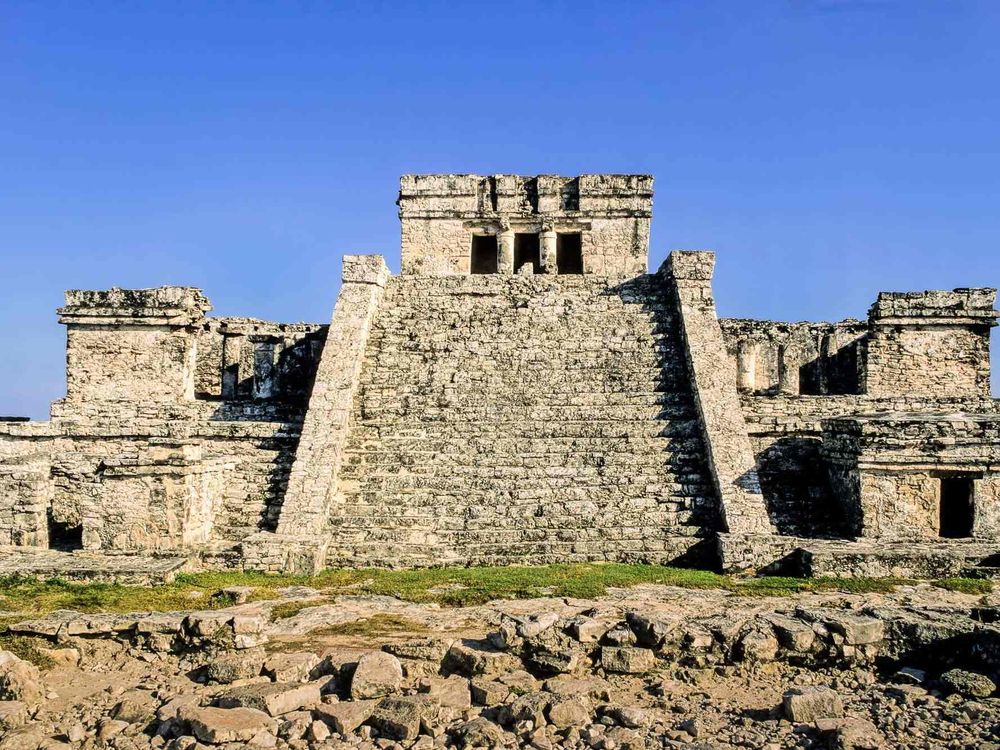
(956, 508)
(63, 536)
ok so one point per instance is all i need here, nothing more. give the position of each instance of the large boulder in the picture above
(849, 734)
(136, 707)
(292, 667)
(479, 732)
(13, 714)
(230, 667)
(570, 712)
(472, 659)
(378, 674)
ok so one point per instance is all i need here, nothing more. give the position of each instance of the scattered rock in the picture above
(231, 667)
(451, 692)
(291, 667)
(629, 716)
(378, 674)
(136, 707)
(273, 698)
(479, 733)
(850, 734)
(968, 684)
(804, 705)
(218, 725)
(13, 714)
(400, 717)
(570, 712)
(19, 680)
(345, 716)
(627, 660)
(472, 659)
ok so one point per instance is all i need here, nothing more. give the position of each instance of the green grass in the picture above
(377, 626)
(22, 597)
(966, 585)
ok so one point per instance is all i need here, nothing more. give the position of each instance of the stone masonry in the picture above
(524, 392)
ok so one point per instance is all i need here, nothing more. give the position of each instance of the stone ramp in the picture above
(92, 566)
(522, 420)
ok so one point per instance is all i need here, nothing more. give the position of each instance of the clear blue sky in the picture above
(825, 148)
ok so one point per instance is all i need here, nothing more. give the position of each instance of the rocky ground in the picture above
(650, 666)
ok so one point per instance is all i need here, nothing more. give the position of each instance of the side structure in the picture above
(523, 392)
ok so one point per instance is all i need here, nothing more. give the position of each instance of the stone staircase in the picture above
(522, 420)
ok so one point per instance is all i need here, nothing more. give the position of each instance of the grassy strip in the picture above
(445, 586)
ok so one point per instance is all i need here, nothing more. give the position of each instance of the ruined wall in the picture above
(439, 215)
(796, 358)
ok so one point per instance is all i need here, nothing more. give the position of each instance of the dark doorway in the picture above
(484, 254)
(526, 250)
(569, 253)
(956, 509)
(64, 537)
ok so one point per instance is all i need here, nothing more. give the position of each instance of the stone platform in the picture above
(856, 558)
(93, 566)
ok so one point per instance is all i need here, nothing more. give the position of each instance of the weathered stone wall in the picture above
(923, 351)
(131, 344)
(106, 477)
(440, 214)
(930, 343)
(796, 358)
(25, 492)
(247, 363)
(887, 469)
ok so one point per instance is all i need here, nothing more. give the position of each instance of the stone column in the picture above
(547, 252)
(746, 365)
(505, 250)
(788, 371)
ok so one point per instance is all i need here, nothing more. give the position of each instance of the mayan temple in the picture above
(526, 390)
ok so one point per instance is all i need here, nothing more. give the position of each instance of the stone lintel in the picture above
(959, 307)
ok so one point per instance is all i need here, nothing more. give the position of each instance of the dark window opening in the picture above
(956, 509)
(64, 537)
(484, 254)
(527, 250)
(569, 253)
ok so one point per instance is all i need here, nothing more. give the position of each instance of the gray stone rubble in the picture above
(647, 667)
